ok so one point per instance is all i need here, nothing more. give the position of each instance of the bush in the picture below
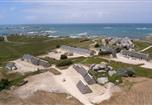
(1, 39)
(57, 46)
(4, 84)
(63, 56)
(104, 53)
(50, 60)
(96, 45)
(66, 62)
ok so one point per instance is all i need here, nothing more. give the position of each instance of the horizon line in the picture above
(41, 1)
(65, 23)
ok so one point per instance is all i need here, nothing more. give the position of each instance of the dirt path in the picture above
(7, 41)
(146, 48)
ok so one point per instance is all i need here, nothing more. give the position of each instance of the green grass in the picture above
(149, 51)
(139, 45)
(35, 46)
(143, 72)
(17, 38)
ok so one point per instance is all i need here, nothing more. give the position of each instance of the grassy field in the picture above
(149, 51)
(34, 45)
(139, 45)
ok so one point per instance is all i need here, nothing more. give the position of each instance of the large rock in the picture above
(102, 80)
(112, 72)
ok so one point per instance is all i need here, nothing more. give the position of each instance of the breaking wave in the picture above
(107, 28)
(81, 34)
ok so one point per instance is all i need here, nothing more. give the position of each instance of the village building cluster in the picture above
(30, 59)
(96, 74)
(118, 42)
(89, 79)
(81, 85)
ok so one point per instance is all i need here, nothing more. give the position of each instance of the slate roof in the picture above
(135, 54)
(89, 79)
(80, 70)
(35, 60)
(83, 88)
(76, 50)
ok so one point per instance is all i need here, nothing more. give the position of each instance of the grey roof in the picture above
(80, 70)
(44, 63)
(76, 50)
(135, 54)
(35, 60)
(105, 49)
(10, 66)
(89, 79)
(31, 59)
(83, 88)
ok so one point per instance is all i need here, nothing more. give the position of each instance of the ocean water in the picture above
(116, 30)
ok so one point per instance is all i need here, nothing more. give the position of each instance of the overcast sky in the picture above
(75, 11)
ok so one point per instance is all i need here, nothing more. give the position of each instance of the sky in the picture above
(75, 11)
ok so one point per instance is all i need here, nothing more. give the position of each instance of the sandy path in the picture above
(145, 49)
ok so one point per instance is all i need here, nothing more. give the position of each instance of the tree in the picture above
(57, 46)
(4, 84)
(63, 56)
(96, 45)
(66, 62)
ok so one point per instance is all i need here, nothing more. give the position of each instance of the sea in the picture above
(77, 30)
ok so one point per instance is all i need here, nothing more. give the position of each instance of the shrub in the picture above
(104, 53)
(1, 39)
(66, 62)
(50, 60)
(57, 46)
(4, 84)
(96, 45)
(63, 56)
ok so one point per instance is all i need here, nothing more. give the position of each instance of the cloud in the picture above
(12, 8)
(1, 16)
(30, 18)
(71, 11)
(67, 13)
